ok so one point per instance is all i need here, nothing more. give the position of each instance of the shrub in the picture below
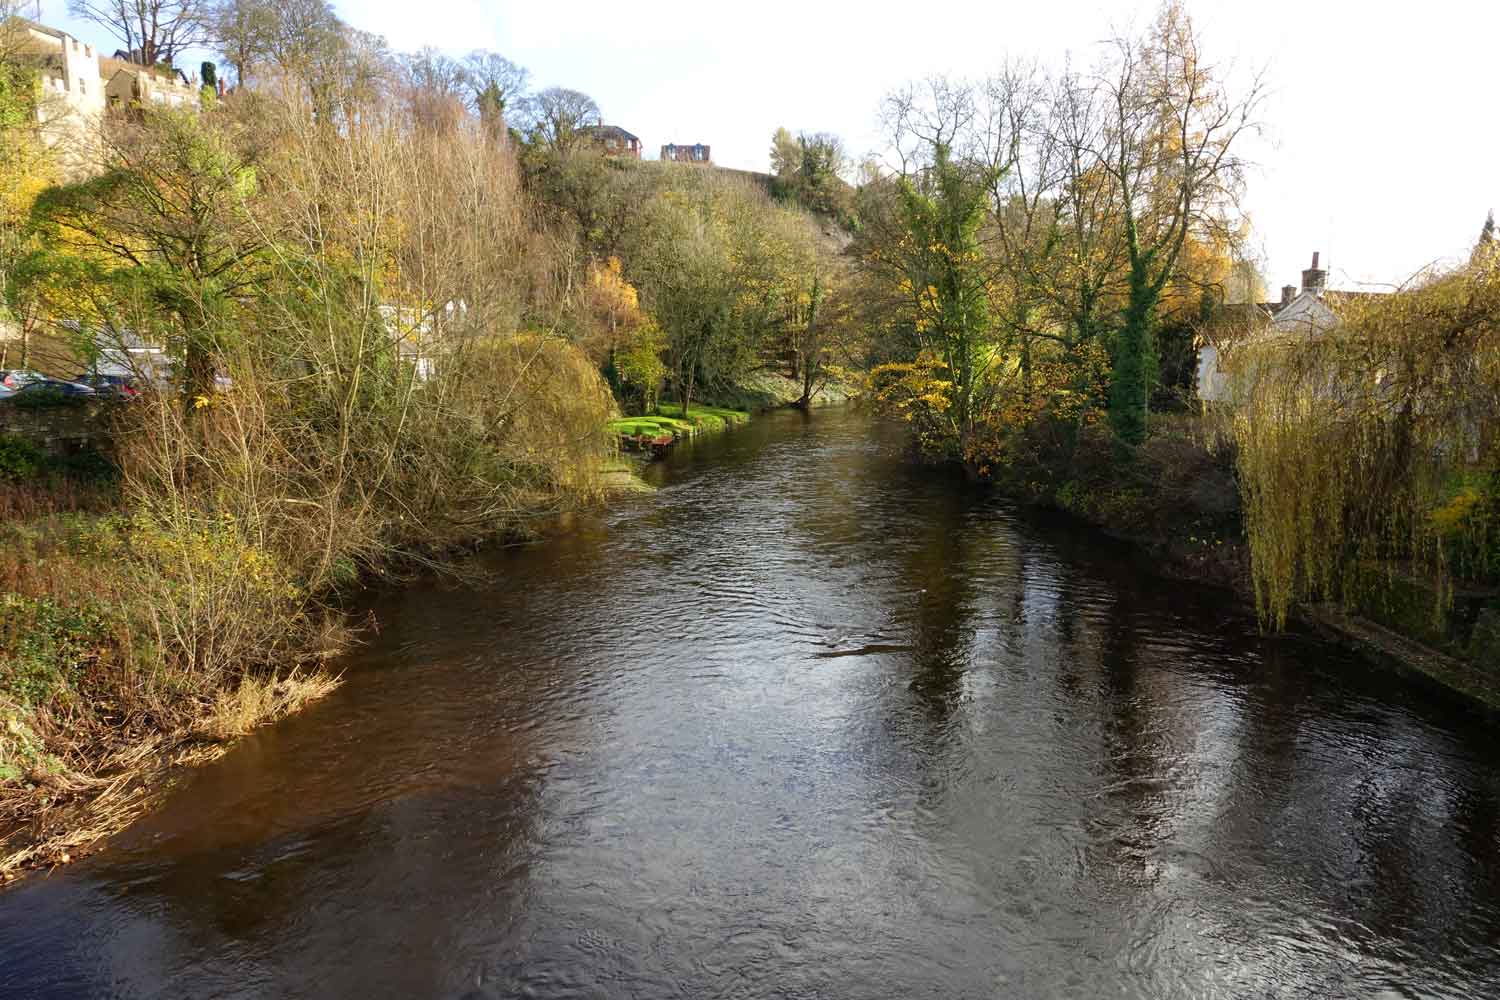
(19, 458)
(41, 644)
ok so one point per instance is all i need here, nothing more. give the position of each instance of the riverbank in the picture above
(96, 707)
(1177, 502)
(603, 765)
(88, 740)
(759, 392)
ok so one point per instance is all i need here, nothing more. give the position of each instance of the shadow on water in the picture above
(809, 722)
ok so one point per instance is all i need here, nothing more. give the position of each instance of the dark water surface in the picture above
(808, 723)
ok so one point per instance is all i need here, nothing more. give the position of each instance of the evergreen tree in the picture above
(1486, 245)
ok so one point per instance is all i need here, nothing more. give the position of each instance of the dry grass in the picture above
(58, 815)
(29, 500)
(259, 700)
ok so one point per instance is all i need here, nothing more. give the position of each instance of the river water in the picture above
(809, 723)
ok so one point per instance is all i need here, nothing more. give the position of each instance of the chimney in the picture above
(1314, 279)
(1288, 293)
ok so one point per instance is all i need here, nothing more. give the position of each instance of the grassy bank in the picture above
(127, 647)
(753, 393)
(668, 422)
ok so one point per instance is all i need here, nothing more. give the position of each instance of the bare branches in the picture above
(922, 117)
(152, 31)
(555, 116)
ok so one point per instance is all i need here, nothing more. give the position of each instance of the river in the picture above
(809, 722)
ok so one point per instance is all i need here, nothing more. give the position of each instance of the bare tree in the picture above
(554, 117)
(153, 31)
(1056, 233)
(435, 87)
(495, 85)
(241, 33)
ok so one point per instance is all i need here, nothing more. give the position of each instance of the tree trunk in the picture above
(1130, 382)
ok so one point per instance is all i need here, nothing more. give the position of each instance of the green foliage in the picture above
(19, 458)
(932, 252)
(718, 267)
(705, 418)
(806, 170)
(1465, 519)
(639, 365)
(41, 645)
(1133, 363)
(161, 243)
(669, 422)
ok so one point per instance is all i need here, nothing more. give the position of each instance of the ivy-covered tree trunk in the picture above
(1134, 362)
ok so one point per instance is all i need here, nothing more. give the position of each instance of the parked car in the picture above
(15, 378)
(119, 386)
(51, 387)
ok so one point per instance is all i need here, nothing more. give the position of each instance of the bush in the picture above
(41, 644)
(1464, 520)
(19, 458)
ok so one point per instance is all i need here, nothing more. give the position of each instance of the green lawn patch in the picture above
(668, 421)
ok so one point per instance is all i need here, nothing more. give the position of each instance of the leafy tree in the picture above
(161, 242)
(786, 154)
(808, 170)
(26, 168)
(922, 235)
(1172, 155)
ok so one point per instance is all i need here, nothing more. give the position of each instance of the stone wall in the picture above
(63, 429)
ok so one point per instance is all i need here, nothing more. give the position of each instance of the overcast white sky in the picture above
(1382, 148)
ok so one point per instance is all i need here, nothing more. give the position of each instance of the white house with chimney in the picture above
(1307, 310)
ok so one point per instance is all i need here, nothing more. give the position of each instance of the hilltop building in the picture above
(614, 141)
(695, 153)
(80, 86)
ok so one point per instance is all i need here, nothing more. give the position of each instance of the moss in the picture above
(651, 426)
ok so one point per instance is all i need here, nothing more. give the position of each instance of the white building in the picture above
(79, 85)
(1308, 311)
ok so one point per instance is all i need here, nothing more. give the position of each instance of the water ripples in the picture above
(810, 722)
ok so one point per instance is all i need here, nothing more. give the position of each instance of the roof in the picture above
(609, 132)
(38, 26)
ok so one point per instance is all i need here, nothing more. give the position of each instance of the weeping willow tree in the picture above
(1373, 448)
